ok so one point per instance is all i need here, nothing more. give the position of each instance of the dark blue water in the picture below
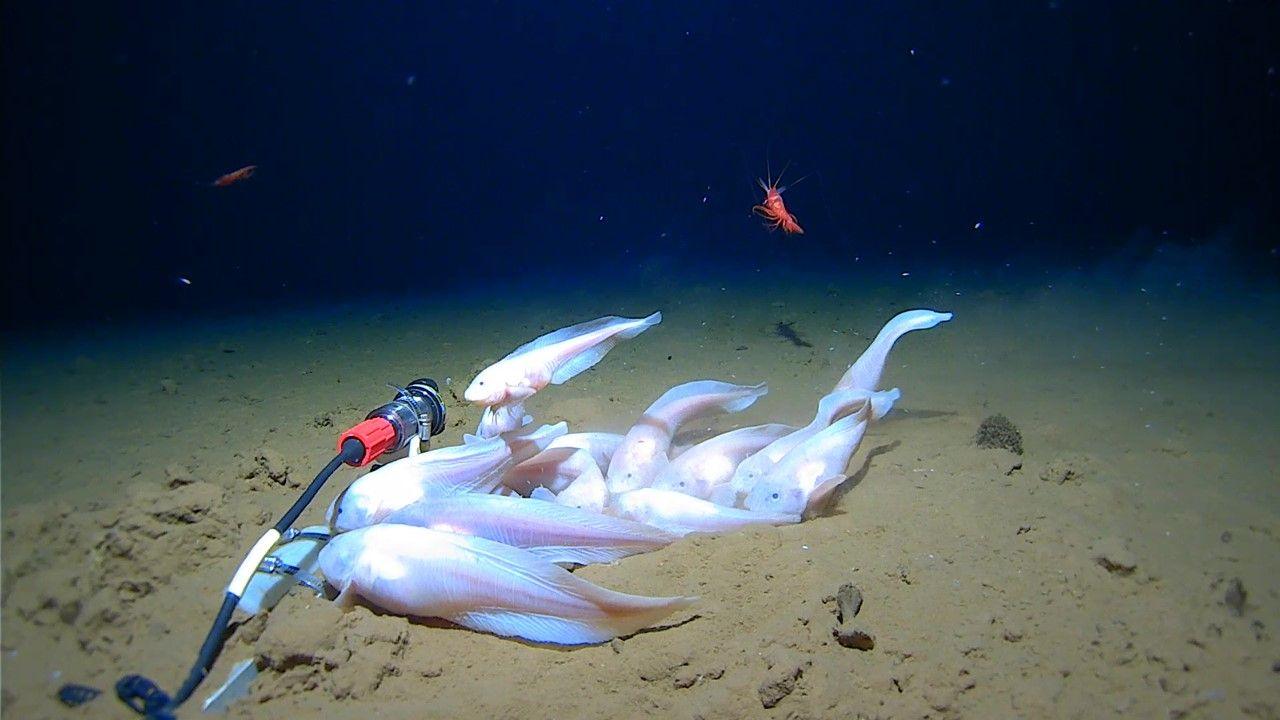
(424, 148)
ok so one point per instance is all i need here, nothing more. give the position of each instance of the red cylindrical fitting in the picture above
(376, 434)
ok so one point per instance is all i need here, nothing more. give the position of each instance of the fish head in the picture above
(748, 472)
(374, 496)
(488, 388)
(351, 510)
(776, 495)
(340, 558)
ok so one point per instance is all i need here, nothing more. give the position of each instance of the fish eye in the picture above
(774, 496)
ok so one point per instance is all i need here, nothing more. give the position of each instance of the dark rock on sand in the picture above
(999, 432)
(854, 637)
(1235, 597)
(1112, 555)
(848, 604)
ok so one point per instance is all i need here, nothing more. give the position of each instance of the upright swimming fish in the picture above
(551, 359)
(482, 585)
(865, 372)
(808, 474)
(682, 514)
(643, 452)
(710, 463)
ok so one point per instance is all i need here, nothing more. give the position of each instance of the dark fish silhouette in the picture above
(786, 332)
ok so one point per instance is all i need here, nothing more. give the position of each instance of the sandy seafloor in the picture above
(139, 463)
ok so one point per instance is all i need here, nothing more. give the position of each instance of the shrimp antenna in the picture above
(784, 187)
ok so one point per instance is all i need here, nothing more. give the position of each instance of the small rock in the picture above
(848, 602)
(1235, 597)
(1226, 536)
(169, 386)
(854, 637)
(1013, 634)
(1112, 554)
(616, 644)
(772, 690)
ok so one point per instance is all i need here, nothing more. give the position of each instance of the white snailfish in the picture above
(553, 358)
(643, 452)
(588, 491)
(476, 467)
(831, 407)
(562, 462)
(812, 470)
(682, 514)
(482, 585)
(865, 372)
(700, 469)
(554, 532)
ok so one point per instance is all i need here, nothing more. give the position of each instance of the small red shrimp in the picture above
(774, 210)
(235, 176)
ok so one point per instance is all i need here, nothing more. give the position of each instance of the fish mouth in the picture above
(477, 397)
(483, 400)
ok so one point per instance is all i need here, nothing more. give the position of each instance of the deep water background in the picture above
(425, 148)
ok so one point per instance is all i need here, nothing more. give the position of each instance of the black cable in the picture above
(352, 452)
(143, 695)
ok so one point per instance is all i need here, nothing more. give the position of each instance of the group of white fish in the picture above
(480, 534)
